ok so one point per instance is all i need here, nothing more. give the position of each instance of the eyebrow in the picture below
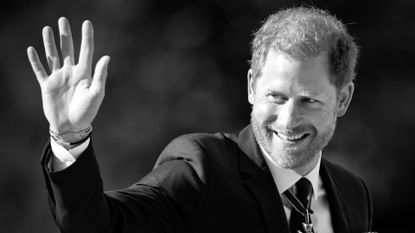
(310, 94)
(275, 92)
(301, 93)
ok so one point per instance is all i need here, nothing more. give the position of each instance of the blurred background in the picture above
(179, 67)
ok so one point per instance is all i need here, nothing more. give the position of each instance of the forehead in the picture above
(285, 72)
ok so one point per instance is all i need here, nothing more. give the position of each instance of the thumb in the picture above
(100, 74)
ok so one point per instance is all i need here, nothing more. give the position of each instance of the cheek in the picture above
(264, 111)
(322, 119)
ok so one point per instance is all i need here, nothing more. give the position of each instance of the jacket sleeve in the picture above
(168, 199)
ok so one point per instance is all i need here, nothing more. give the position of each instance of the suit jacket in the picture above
(200, 183)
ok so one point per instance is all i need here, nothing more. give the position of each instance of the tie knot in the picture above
(304, 190)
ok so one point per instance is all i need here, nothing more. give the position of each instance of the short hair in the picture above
(303, 32)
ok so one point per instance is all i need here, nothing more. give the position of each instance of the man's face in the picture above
(295, 109)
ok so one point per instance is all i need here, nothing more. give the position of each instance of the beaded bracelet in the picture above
(68, 139)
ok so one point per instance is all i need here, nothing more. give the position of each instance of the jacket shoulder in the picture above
(342, 176)
(347, 182)
(198, 149)
(354, 192)
(196, 143)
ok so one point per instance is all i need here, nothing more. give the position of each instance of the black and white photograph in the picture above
(197, 116)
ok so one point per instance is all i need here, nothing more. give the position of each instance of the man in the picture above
(269, 178)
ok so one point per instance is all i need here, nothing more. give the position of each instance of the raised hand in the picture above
(71, 97)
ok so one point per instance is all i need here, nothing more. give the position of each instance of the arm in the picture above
(166, 200)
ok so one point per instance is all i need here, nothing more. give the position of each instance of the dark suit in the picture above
(200, 183)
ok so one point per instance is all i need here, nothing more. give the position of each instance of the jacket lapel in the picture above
(335, 199)
(260, 183)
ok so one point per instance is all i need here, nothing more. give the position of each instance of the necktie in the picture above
(301, 222)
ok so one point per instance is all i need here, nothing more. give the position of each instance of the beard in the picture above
(285, 156)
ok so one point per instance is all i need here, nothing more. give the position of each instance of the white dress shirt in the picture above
(64, 158)
(286, 178)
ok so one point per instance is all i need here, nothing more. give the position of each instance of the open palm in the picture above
(71, 97)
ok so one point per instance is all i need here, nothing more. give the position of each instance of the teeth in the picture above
(291, 138)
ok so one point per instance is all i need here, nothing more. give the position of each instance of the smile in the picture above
(293, 137)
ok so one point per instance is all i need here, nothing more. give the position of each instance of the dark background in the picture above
(180, 67)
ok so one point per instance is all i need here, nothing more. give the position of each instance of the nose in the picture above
(289, 115)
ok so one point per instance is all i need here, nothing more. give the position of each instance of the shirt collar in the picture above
(285, 178)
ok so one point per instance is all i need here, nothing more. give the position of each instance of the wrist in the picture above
(67, 128)
(70, 138)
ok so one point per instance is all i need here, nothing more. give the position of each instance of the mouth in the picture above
(292, 138)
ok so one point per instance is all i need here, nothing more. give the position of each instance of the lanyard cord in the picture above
(297, 205)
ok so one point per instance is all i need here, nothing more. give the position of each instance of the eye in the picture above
(278, 98)
(310, 100)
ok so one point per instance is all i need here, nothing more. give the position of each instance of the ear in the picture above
(251, 87)
(344, 98)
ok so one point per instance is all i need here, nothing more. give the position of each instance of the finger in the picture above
(37, 66)
(100, 74)
(66, 41)
(87, 45)
(50, 49)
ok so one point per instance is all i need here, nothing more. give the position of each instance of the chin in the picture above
(291, 160)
